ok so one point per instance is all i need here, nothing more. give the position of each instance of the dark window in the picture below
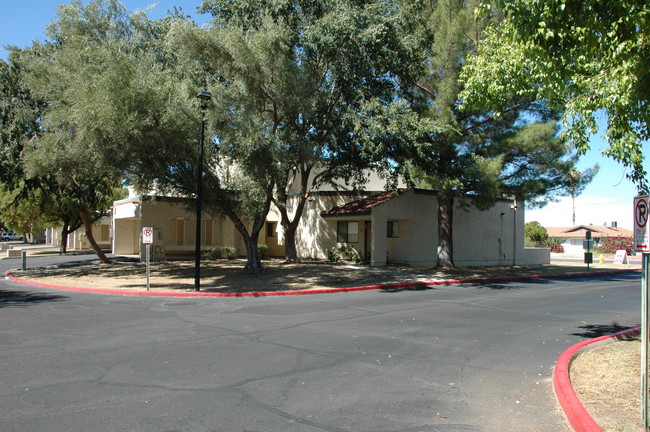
(392, 228)
(347, 232)
(270, 229)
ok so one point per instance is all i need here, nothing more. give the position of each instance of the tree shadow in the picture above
(592, 331)
(407, 287)
(26, 298)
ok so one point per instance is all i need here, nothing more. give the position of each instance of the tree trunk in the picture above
(445, 234)
(290, 250)
(88, 227)
(254, 262)
(64, 238)
(573, 202)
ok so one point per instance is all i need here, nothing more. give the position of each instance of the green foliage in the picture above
(213, 253)
(333, 254)
(349, 253)
(263, 250)
(229, 252)
(555, 245)
(535, 233)
(583, 56)
(289, 83)
(514, 153)
(610, 245)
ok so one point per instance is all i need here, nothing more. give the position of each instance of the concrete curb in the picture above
(578, 417)
(394, 286)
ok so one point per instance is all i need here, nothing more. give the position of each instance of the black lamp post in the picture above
(204, 96)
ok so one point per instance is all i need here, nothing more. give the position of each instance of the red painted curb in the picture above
(316, 291)
(579, 419)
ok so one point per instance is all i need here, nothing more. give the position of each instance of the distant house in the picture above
(572, 238)
(78, 240)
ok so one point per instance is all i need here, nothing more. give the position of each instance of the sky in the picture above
(608, 198)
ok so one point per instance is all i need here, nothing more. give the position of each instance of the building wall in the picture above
(490, 237)
(316, 234)
(417, 217)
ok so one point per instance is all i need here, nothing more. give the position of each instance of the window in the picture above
(392, 229)
(270, 229)
(347, 232)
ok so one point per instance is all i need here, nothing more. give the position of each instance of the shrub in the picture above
(263, 250)
(333, 254)
(555, 245)
(536, 233)
(212, 253)
(610, 245)
(351, 254)
(230, 252)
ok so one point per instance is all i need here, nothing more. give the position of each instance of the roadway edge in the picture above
(394, 286)
(578, 417)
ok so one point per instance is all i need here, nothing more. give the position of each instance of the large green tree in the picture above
(587, 56)
(110, 108)
(305, 69)
(480, 153)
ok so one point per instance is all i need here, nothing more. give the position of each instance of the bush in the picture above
(610, 245)
(333, 254)
(263, 250)
(555, 245)
(351, 254)
(212, 253)
(535, 233)
(229, 252)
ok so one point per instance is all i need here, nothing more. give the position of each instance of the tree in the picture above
(304, 69)
(110, 107)
(587, 57)
(475, 153)
(577, 181)
(536, 233)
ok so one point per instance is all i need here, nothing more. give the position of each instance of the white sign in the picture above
(147, 235)
(620, 257)
(641, 228)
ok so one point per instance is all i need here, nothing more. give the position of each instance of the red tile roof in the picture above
(360, 207)
(596, 232)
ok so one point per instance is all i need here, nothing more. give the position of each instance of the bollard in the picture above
(23, 259)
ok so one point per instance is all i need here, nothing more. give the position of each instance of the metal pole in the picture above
(645, 297)
(148, 263)
(514, 232)
(199, 192)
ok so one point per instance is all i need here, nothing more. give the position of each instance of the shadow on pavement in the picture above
(592, 331)
(26, 298)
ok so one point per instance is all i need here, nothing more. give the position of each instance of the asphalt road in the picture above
(454, 358)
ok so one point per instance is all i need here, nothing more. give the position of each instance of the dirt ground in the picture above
(607, 379)
(228, 276)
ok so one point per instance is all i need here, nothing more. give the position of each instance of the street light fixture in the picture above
(204, 97)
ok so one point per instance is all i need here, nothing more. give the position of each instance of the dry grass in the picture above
(607, 380)
(227, 276)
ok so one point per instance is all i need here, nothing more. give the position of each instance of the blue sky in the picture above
(607, 199)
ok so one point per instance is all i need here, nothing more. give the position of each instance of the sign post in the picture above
(642, 244)
(587, 244)
(147, 239)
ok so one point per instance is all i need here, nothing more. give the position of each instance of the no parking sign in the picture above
(147, 235)
(641, 228)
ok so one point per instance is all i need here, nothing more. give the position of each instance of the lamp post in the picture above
(204, 96)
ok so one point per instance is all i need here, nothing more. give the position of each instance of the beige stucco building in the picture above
(383, 227)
